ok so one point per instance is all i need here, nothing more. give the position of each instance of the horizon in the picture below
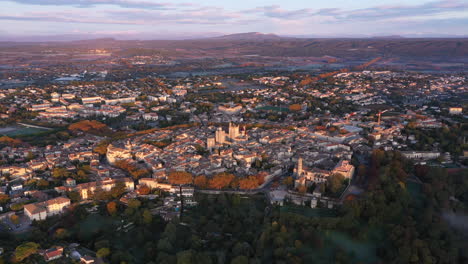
(153, 20)
(220, 36)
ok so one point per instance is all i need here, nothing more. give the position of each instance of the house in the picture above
(91, 100)
(87, 260)
(455, 110)
(154, 184)
(52, 253)
(42, 210)
(344, 168)
(87, 189)
(420, 155)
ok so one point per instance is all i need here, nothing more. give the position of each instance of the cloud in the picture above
(364, 14)
(275, 11)
(90, 3)
(131, 17)
(271, 18)
(391, 12)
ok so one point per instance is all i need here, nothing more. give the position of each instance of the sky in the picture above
(175, 19)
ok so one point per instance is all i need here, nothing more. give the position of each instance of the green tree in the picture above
(147, 217)
(134, 203)
(240, 260)
(74, 196)
(335, 183)
(103, 252)
(25, 250)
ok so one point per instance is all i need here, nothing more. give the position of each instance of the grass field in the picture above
(19, 131)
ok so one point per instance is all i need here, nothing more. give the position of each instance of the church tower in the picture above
(220, 136)
(233, 131)
(299, 167)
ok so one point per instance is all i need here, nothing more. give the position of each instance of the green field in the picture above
(274, 108)
(12, 131)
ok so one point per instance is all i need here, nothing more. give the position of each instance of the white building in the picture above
(42, 210)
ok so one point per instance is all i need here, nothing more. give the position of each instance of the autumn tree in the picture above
(111, 208)
(249, 183)
(61, 233)
(289, 181)
(8, 141)
(132, 169)
(101, 147)
(60, 173)
(180, 177)
(295, 107)
(4, 198)
(221, 180)
(144, 190)
(201, 181)
(302, 189)
(15, 219)
(93, 127)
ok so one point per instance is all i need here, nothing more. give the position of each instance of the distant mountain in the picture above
(249, 36)
(389, 37)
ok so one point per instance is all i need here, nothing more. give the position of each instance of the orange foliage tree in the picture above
(252, 182)
(8, 141)
(180, 177)
(132, 169)
(144, 190)
(93, 126)
(248, 183)
(295, 107)
(112, 208)
(201, 181)
(221, 180)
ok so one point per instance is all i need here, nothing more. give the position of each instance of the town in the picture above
(293, 140)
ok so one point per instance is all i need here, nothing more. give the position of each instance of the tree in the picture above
(180, 177)
(249, 183)
(74, 196)
(61, 233)
(17, 206)
(240, 260)
(60, 173)
(15, 219)
(144, 190)
(8, 141)
(118, 190)
(289, 181)
(295, 107)
(221, 180)
(201, 181)
(111, 208)
(93, 127)
(4, 198)
(25, 250)
(42, 184)
(103, 252)
(101, 148)
(147, 217)
(302, 189)
(134, 203)
(335, 182)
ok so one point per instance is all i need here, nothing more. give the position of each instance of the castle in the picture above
(235, 133)
(305, 177)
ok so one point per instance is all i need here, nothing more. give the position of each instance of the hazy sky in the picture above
(175, 18)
